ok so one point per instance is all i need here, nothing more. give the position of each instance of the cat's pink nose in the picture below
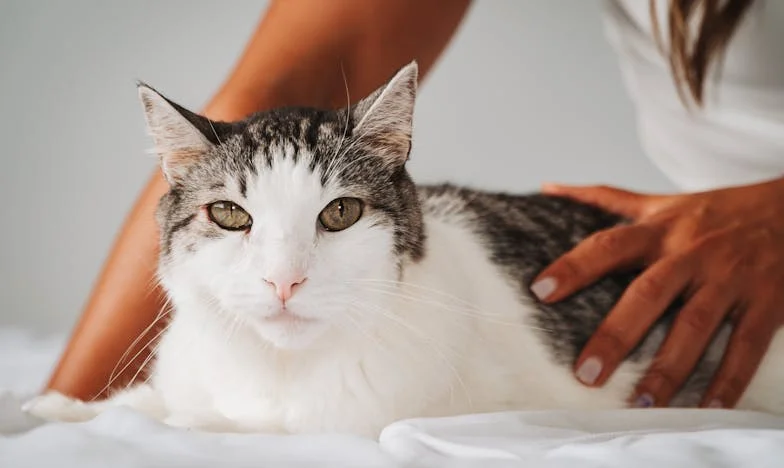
(285, 287)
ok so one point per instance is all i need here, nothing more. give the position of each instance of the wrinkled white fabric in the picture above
(633, 438)
(122, 438)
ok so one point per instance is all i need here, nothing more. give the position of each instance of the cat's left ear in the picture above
(384, 120)
(181, 137)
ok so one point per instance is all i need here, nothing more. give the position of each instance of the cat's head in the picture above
(290, 219)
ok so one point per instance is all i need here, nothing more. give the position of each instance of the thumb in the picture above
(618, 201)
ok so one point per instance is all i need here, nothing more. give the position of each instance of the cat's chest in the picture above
(414, 366)
(341, 393)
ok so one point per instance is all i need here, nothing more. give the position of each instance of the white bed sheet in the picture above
(638, 439)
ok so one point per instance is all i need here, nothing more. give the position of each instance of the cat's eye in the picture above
(340, 214)
(229, 216)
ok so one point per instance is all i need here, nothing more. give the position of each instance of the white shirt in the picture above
(738, 136)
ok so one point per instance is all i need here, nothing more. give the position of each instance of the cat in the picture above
(316, 288)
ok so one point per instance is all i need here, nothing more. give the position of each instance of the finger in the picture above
(691, 332)
(747, 347)
(639, 307)
(605, 251)
(619, 201)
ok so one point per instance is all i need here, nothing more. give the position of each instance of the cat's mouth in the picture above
(287, 317)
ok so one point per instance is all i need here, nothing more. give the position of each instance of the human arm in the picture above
(299, 54)
(722, 249)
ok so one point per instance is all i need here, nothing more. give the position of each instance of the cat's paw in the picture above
(54, 406)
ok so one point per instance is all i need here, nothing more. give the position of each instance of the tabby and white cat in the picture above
(316, 288)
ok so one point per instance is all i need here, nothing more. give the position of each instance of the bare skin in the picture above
(687, 243)
(722, 249)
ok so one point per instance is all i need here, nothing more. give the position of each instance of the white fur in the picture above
(449, 335)
(451, 338)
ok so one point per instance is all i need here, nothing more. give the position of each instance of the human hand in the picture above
(722, 250)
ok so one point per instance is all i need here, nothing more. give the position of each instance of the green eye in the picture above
(229, 216)
(340, 214)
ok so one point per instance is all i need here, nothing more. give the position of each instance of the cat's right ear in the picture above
(384, 120)
(181, 137)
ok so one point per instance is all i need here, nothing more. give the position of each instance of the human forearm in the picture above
(301, 49)
(113, 337)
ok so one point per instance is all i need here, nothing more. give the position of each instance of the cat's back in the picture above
(522, 234)
(516, 226)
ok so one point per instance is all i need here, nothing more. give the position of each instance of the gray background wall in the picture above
(529, 91)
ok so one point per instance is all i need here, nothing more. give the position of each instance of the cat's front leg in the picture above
(54, 406)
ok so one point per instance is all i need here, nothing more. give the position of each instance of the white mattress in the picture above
(638, 439)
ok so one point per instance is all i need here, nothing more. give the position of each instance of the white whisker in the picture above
(334, 158)
(427, 341)
(130, 361)
(462, 310)
(161, 314)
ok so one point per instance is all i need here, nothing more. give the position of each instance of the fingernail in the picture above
(644, 401)
(589, 371)
(544, 287)
(715, 403)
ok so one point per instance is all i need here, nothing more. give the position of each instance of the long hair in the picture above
(692, 54)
